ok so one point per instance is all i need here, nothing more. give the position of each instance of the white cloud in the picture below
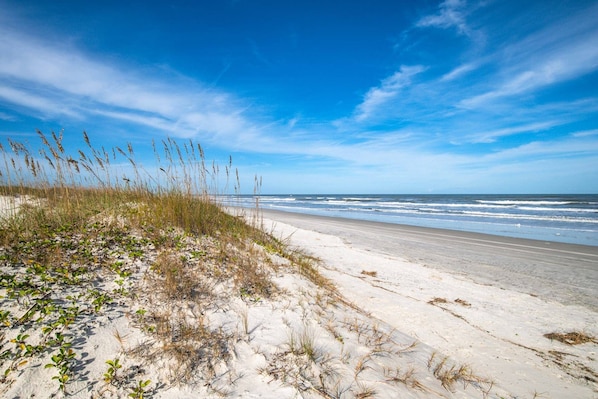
(492, 136)
(545, 150)
(459, 71)
(55, 81)
(42, 104)
(586, 133)
(155, 122)
(560, 52)
(375, 166)
(6, 117)
(450, 15)
(388, 89)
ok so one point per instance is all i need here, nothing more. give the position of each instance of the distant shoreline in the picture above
(556, 218)
(464, 233)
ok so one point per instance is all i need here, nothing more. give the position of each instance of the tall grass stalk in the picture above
(180, 190)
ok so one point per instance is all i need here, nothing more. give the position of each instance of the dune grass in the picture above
(72, 249)
(176, 192)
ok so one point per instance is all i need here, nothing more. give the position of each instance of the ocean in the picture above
(561, 218)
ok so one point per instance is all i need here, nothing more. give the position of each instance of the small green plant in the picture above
(67, 316)
(139, 390)
(62, 379)
(121, 290)
(23, 348)
(14, 366)
(249, 295)
(99, 299)
(135, 253)
(58, 340)
(113, 367)
(62, 361)
(46, 308)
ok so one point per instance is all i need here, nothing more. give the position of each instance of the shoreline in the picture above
(567, 273)
(558, 218)
(485, 302)
(464, 233)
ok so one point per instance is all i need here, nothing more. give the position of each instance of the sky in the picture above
(338, 96)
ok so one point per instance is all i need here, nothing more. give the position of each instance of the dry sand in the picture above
(495, 297)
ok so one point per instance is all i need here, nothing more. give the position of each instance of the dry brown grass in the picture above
(449, 373)
(437, 300)
(571, 338)
(407, 377)
(372, 273)
(463, 302)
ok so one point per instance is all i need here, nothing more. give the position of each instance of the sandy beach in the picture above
(566, 273)
(483, 300)
(349, 309)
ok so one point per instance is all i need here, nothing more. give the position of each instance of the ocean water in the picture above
(560, 218)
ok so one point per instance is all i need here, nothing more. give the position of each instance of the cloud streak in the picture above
(450, 15)
(493, 136)
(58, 81)
(562, 51)
(376, 98)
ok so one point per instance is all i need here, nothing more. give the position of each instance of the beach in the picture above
(329, 308)
(483, 300)
(566, 273)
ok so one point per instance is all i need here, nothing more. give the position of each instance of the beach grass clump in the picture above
(449, 373)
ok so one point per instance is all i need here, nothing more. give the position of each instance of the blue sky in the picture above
(320, 96)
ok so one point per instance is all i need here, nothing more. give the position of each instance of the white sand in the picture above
(9, 206)
(499, 332)
(367, 349)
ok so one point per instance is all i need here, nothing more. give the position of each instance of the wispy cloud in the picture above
(533, 166)
(376, 97)
(494, 135)
(459, 72)
(451, 14)
(562, 51)
(6, 117)
(448, 16)
(44, 105)
(586, 133)
(569, 147)
(54, 81)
